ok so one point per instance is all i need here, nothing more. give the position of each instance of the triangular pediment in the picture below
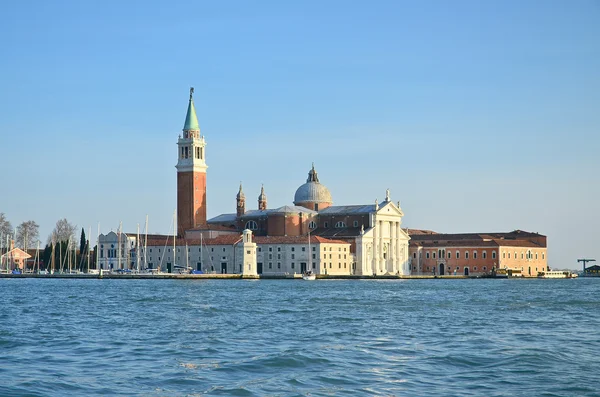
(389, 208)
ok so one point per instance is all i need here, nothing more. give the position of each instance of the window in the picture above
(415, 255)
(466, 254)
(484, 254)
(303, 249)
(457, 255)
(543, 255)
(340, 225)
(252, 225)
(270, 256)
(521, 255)
(270, 265)
(475, 268)
(536, 255)
(293, 249)
(223, 249)
(293, 256)
(325, 224)
(270, 249)
(278, 265)
(312, 225)
(355, 224)
(292, 265)
(493, 254)
(314, 256)
(314, 248)
(474, 254)
(504, 255)
(434, 255)
(484, 268)
(278, 249)
(427, 255)
(259, 249)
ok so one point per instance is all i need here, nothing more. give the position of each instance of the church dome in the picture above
(312, 191)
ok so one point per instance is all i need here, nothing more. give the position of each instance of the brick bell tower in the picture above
(191, 173)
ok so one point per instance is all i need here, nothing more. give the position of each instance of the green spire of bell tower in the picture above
(191, 121)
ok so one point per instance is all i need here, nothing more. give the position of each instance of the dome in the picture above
(312, 190)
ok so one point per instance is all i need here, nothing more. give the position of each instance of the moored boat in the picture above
(556, 274)
(309, 276)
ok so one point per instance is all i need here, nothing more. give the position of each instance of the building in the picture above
(377, 243)
(14, 258)
(517, 253)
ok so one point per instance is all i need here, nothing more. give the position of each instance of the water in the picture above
(299, 338)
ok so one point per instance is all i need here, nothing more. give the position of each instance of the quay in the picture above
(163, 276)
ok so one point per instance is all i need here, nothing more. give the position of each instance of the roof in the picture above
(223, 218)
(348, 209)
(231, 239)
(295, 240)
(292, 209)
(191, 121)
(341, 232)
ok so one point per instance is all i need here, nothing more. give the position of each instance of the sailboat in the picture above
(308, 275)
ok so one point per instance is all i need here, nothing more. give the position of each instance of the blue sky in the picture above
(478, 115)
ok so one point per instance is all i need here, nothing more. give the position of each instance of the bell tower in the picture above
(191, 173)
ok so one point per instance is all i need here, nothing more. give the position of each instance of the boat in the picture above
(556, 274)
(310, 276)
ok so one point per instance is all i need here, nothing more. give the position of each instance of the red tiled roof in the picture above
(295, 240)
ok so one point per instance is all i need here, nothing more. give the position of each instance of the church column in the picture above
(394, 246)
(374, 249)
(381, 258)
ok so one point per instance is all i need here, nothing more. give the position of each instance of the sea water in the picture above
(299, 338)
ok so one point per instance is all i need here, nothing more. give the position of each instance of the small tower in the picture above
(262, 199)
(191, 173)
(241, 202)
(247, 266)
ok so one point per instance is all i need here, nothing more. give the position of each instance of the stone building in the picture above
(517, 253)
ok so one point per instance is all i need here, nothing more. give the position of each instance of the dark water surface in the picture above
(299, 338)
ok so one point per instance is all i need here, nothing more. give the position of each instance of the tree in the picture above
(63, 231)
(82, 248)
(27, 235)
(5, 230)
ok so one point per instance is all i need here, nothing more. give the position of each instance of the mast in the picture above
(137, 249)
(119, 245)
(146, 244)
(98, 248)
(174, 236)
(309, 253)
(52, 260)
(201, 259)
(37, 254)
(88, 248)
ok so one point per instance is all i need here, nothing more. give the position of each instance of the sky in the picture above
(479, 116)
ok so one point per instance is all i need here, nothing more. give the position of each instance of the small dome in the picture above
(312, 190)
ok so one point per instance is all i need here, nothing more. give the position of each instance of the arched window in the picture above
(312, 225)
(493, 254)
(484, 254)
(252, 225)
(340, 225)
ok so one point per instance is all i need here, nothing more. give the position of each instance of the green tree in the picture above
(82, 250)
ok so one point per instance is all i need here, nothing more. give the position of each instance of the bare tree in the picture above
(27, 234)
(5, 229)
(63, 231)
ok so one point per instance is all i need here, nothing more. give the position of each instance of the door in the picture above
(169, 268)
(259, 268)
(466, 271)
(223, 268)
(302, 267)
(441, 269)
